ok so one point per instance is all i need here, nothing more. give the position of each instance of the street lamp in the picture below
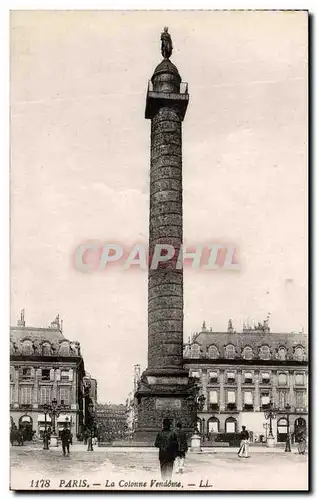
(54, 413)
(287, 409)
(91, 426)
(265, 426)
(270, 414)
(46, 411)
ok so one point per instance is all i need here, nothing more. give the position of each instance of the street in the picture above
(114, 468)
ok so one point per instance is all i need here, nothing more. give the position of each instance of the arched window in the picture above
(230, 425)
(299, 354)
(27, 348)
(282, 354)
(282, 430)
(64, 349)
(230, 351)
(195, 351)
(46, 349)
(248, 352)
(265, 352)
(213, 352)
(213, 425)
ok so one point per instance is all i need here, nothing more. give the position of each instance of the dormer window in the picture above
(230, 351)
(195, 351)
(265, 352)
(248, 353)
(213, 352)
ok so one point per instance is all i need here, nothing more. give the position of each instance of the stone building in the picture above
(240, 373)
(111, 420)
(44, 365)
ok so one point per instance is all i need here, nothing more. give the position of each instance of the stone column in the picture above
(165, 284)
(257, 394)
(239, 390)
(16, 389)
(274, 388)
(222, 394)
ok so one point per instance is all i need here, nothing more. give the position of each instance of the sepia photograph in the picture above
(159, 250)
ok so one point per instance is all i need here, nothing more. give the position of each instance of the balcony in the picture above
(231, 407)
(213, 407)
(213, 381)
(248, 381)
(248, 407)
(230, 381)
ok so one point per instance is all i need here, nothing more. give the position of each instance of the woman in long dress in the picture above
(244, 447)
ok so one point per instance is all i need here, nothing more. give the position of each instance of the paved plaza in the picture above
(110, 468)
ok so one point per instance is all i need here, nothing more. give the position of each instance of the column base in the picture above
(164, 394)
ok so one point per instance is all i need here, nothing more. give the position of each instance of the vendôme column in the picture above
(165, 390)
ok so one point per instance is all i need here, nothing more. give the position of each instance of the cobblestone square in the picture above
(109, 468)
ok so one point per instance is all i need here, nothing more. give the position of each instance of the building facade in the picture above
(240, 373)
(111, 420)
(44, 365)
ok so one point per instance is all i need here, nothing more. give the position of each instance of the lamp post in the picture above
(287, 447)
(46, 410)
(54, 413)
(270, 414)
(266, 426)
(91, 426)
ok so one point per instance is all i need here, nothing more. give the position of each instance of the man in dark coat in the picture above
(66, 438)
(167, 442)
(182, 448)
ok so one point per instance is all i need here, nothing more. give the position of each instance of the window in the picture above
(230, 351)
(230, 377)
(46, 349)
(45, 395)
(265, 352)
(213, 352)
(282, 354)
(248, 400)
(26, 373)
(11, 394)
(248, 378)
(265, 399)
(299, 379)
(282, 379)
(230, 425)
(231, 398)
(247, 353)
(213, 397)
(27, 348)
(12, 374)
(195, 351)
(45, 374)
(26, 395)
(213, 425)
(65, 375)
(213, 378)
(282, 399)
(265, 378)
(64, 396)
(299, 354)
(195, 374)
(300, 399)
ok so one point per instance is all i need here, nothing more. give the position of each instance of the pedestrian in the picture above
(244, 446)
(182, 448)
(167, 442)
(66, 438)
(302, 441)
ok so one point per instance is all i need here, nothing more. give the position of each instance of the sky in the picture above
(80, 171)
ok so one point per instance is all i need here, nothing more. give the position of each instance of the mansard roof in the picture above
(19, 333)
(253, 339)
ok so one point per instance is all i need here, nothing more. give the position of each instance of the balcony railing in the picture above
(214, 406)
(183, 90)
